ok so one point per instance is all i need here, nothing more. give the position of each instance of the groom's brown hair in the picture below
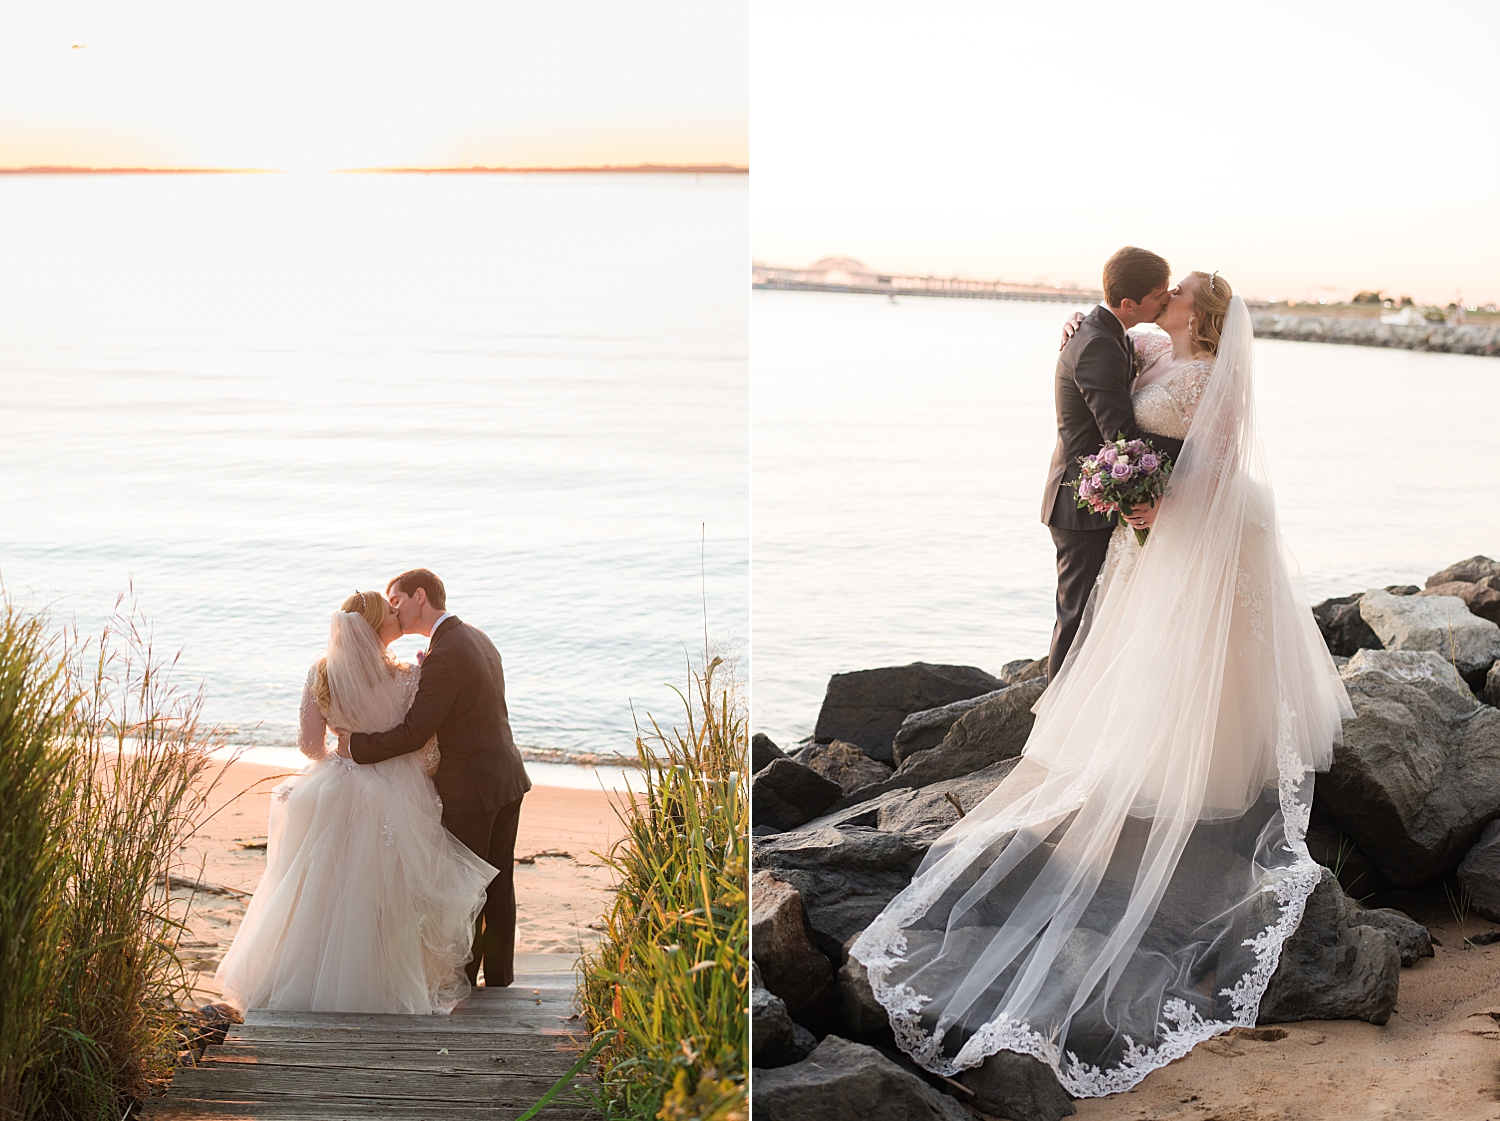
(425, 579)
(1131, 274)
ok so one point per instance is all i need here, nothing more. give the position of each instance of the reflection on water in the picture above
(900, 449)
(250, 395)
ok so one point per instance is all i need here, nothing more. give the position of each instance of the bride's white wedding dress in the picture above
(367, 903)
(1125, 892)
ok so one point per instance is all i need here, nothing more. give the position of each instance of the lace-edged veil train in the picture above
(1125, 892)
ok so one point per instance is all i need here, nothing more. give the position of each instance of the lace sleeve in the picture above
(1149, 346)
(1188, 386)
(411, 678)
(312, 731)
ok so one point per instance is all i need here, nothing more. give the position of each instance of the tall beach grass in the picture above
(666, 991)
(100, 762)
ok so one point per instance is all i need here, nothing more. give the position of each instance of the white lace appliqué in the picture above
(1254, 599)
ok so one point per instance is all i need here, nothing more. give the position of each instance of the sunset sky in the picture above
(1302, 149)
(318, 85)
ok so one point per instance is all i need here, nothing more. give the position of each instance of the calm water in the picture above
(899, 452)
(250, 395)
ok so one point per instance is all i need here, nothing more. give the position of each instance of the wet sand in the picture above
(560, 898)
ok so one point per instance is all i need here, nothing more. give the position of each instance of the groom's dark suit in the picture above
(481, 779)
(1092, 395)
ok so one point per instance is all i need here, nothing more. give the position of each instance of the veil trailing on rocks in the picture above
(1125, 893)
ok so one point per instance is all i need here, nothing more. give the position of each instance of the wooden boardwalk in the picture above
(498, 1052)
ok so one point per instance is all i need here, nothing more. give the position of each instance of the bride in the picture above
(367, 903)
(1125, 892)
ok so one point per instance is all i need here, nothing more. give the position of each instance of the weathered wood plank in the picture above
(521, 1018)
(488, 1060)
(396, 1109)
(554, 1039)
(241, 1083)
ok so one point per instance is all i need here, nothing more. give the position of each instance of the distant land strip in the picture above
(604, 169)
(49, 169)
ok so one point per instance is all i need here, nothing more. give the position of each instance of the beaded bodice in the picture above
(1167, 408)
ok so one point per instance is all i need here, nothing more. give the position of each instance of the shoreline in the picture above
(562, 890)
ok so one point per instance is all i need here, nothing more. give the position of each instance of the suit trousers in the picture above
(1080, 556)
(492, 836)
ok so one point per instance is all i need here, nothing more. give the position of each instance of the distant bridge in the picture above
(844, 274)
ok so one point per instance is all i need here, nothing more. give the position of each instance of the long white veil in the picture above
(363, 694)
(1125, 892)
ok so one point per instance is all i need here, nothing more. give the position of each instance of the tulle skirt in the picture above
(367, 904)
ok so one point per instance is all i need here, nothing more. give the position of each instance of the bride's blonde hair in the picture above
(371, 607)
(1210, 306)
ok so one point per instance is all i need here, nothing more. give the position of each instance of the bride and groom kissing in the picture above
(1125, 891)
(389, 861)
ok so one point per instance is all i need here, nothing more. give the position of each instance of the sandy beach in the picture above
(1438, 1059)
(562, 887)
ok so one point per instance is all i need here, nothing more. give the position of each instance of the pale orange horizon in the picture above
(176, 86)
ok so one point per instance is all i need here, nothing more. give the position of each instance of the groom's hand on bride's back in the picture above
(1070, 326)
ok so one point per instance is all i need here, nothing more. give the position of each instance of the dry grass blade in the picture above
(108, 755)
(667, 986)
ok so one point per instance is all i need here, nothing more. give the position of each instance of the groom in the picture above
(481, 779)
(1092, 395)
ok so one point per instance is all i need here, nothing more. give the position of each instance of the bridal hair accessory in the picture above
(361, 600)
(1211, 280)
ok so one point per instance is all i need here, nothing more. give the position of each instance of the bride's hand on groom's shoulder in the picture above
(1070, 328)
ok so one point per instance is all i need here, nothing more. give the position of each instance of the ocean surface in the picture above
(242, 397)
(900, 449)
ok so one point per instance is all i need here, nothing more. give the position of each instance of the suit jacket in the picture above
(1092, 395)
(460, 699)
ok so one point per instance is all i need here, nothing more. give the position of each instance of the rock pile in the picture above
(842, 822)
(1469, 338)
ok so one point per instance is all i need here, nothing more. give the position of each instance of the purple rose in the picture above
(1109, 455)
(1149, 463)
(1120, 471)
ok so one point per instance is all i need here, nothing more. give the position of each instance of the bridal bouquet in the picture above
(1122, 474)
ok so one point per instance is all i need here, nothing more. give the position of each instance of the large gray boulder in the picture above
(763, 752)
(775, 1040)
(1413, 940)
(782, 949)
(1475, 570)
(1442, 624)
(845, 875)
(867, 707)
(860, 1012)
(1343, 627)
(1480, 599)
(842, 762)
(922, 731)
(985, 735)
(1331, 968)
(844, 1081)
(924, 815)
(1479, 873)
(1491, 691)
(1018, 1087)
(1417, 776)
(786, 794)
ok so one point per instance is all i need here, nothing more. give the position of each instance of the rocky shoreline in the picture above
(1443, 337)
(1407, 820)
